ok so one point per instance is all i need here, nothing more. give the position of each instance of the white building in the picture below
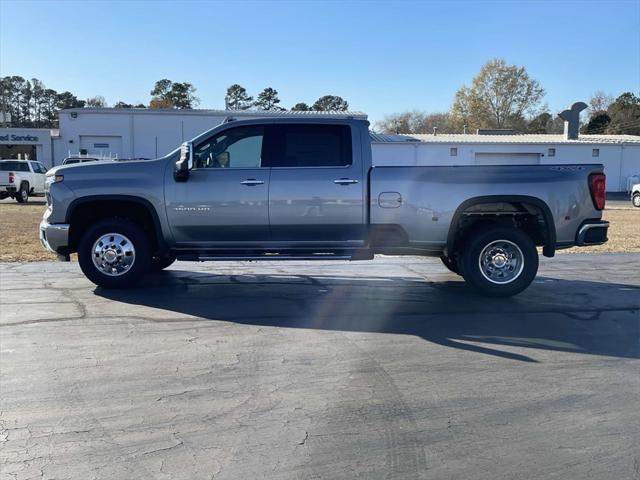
(150, 133)
(27, 143)
(620, 154)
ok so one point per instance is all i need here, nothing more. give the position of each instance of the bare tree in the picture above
(499, 97)
(96, 102)
(599, 102)
(414, 122)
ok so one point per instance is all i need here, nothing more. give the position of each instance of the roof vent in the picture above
(496, 131)
(571, 119)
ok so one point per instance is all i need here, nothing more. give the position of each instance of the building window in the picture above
(453, 152)
(551, 152)
(595, 152)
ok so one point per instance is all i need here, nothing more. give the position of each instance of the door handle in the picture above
(345, 181)
(251, 181)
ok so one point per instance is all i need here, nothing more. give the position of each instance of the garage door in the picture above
(101, 145)
(507, 158)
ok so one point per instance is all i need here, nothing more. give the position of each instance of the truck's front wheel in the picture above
(500, 261)
(114, 253)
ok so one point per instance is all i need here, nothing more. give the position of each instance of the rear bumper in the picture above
(8, 188)
(55, 238)
(592, 232)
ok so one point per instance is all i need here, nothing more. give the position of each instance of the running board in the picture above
(255, 258)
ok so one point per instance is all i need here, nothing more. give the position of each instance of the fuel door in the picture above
(389, 200)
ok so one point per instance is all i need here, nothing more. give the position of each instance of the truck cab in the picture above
(264, 186)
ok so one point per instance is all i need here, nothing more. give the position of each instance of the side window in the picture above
(239, 147)
(38, 167)
(24, 167)
(310, 146)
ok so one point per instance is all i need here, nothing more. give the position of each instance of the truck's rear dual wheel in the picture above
(114, 253)
(500, 261)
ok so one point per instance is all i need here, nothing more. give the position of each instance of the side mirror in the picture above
(184, 163)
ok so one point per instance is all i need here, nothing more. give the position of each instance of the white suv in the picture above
(21, 178)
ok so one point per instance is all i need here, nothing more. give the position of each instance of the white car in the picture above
(21, 178)
(635, 195)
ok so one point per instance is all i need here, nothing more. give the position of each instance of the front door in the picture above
(316, 192)
(39, 177)
(224, 202)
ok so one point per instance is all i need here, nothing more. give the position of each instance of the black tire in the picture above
(141, 255)
(500, 241)
(451, 264)
(22, 195)
(636, 200)
(160, 263)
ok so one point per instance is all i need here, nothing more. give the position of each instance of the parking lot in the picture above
(383, 369)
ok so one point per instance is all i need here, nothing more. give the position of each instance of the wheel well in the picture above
(527, 217)
(87, 213)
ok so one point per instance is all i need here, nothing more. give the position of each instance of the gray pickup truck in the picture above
(291, 189)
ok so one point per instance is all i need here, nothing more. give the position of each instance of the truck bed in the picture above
(424, 200)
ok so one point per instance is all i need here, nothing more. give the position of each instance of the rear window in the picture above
(309, 146)
(14, 167)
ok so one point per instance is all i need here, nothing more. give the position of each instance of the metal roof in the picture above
(391, 138)
(521, 139)
(220, 113)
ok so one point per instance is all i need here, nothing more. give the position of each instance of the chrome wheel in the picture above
(501, 261)
(636, 200)
(113, 254)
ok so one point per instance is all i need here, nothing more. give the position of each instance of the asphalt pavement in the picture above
(375, 370)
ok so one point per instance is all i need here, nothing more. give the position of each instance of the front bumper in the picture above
(592, 232)
(55, 238)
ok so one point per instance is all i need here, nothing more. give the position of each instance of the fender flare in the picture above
(549, 247)
(162, 245)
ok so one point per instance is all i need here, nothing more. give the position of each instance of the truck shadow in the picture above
(571, 316)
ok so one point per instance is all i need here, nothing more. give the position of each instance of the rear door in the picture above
(224, 201)
(316, 191)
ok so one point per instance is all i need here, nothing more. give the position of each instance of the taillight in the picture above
(12, 177)
(597, 186)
